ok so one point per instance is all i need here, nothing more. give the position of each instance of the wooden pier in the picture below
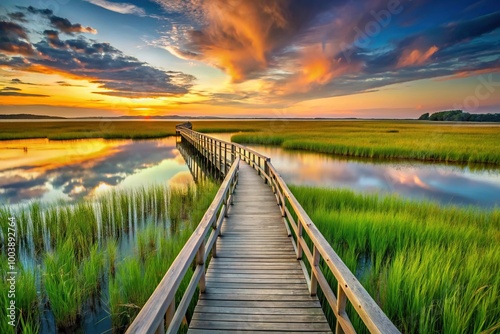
(257, 279)
(255, 282)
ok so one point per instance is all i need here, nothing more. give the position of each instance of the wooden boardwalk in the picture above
(253, 238)
(256, 283)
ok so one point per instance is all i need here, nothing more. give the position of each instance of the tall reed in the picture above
(79, 244)
(62, 284)
(431, 268)
(157, 246)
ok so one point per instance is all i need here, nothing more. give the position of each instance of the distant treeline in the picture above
(459, 116)
(28, 116)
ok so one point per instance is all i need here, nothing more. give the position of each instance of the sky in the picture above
(249, 58)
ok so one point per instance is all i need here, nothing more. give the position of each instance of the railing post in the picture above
(232, 154)
(341, 301)
(161, 327)
(170, 313)
(199, 261)
(266, 168)
(299, 238)
(259, 166)
(314, 280)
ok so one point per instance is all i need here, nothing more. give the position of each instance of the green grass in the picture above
(431, 268)
(108, 129)
(450, 142)
(137, 276)
(466, 143)
(78, 244)
(27, 300)
(61, 280)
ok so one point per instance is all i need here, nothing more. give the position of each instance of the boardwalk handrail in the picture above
(348, 287)
(160, 309)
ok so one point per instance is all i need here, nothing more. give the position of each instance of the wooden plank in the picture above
(280, 326)
(220, 295)
(252, 253)
(230, 248)
(215, 263)
(256, 280)
(254, 261)
(250, 256)
(297, 271)
(258, 310)
(258, 285)
(218, 331)
(246, 291)
(258, 317)
(270, 302)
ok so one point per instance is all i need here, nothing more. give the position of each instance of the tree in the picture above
(424, 117)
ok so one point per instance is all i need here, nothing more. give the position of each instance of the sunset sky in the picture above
(269, 58)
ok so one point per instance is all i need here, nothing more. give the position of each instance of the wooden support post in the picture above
(299, 236)
(225, 158)
(214, 250)
(266, 168)
(314, 279)
(259, 166)
(232, 154)
(200, 261)
(161, 327)
(341, 301)
(170, 314)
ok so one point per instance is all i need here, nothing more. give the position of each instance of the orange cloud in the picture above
(239, 38)
(466, 74)
(316, 68)
(416, 57)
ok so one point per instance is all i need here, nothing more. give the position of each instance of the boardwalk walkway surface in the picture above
(256, 284)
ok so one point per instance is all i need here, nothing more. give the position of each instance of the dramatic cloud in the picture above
(64, 25)
(17, 81)
(10, 88)
(13, 91)
(18, 16)
(80, 58)
(14, 39)
(60, 23)
(122, 8)
(299, 50)
(65, 84)
(241, 37)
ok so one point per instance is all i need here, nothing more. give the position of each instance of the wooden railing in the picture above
(295, 219)
(160, 311)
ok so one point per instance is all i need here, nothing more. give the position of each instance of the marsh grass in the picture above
(76, 248)
(27, 300)
(157, 247)
(62, 284)
(468, 143)
(111, 130)
(450, 142)
(432, 268)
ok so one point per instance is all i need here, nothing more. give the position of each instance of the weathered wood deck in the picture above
(258, 280)
(256, 283)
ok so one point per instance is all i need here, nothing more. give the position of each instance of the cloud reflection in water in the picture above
(71, 170)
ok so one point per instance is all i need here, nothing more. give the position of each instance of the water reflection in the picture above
(442, 183)
(45, 170)
(447, 184)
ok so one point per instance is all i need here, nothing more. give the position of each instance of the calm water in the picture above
(447, 184)
(46, 170)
